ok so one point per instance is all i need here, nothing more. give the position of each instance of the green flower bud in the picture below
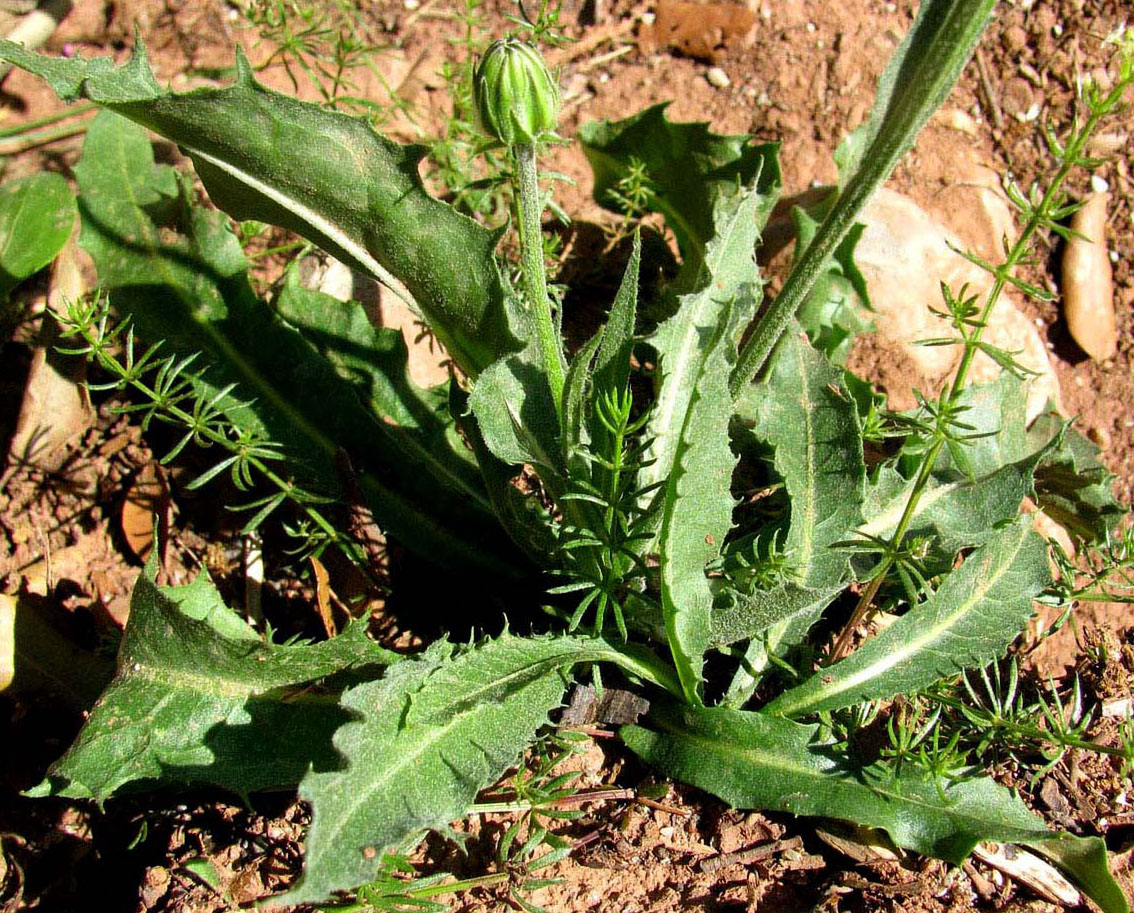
(516, 97)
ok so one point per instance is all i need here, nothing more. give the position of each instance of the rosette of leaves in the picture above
(650, 512)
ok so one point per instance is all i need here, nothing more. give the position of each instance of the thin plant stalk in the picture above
(529, 205)
(1039, 215)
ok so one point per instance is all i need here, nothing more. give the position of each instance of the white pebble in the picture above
(1099, 184)
(811, 26)
(649, 18)
(411, 5)
(717, 77)
(1113, 256)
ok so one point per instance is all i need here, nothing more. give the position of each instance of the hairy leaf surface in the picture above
(751, 760)
(426, 738)
(181, 275)
(37, 214)
(322, 174)
(685, 167)
(200, 698)
(969, 621)
(740, 616)
(803, 411)
(697, 514)
(729, 292)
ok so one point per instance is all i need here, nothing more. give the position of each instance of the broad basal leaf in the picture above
(178, 271)
(37, 214)
(803, 411)
(974, 487)
(324, 175)
(751, 760)
(200, 698)
(730, 290)
(426, 738)
(683, 167)
(697, 512)
(375, 361)
(740, 616)
(969, 621)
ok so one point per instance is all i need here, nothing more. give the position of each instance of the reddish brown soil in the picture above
(804, 75)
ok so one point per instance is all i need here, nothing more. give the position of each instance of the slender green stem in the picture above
(932, 57)
(28, 126)
(1038, 216)
(26, 141)
(1036, 733)
(530, 205)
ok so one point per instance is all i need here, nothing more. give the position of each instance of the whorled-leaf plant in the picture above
(647, 542)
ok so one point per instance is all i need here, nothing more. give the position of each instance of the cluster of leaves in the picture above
(646, 521)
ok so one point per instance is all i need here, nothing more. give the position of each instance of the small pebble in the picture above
(1113, 256)
(717, 77)
(649, 18)
(411, 5)
(1099, 184)
(811, 26)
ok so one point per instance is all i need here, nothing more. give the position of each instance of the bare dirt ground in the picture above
(798, 71)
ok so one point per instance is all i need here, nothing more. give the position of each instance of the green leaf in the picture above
(740, 616)
(612, 361)
(515, 409)
(200, 698)
(322, 174)
(917, 80)
(178, 271)
(751, 760)
(730, 291)
(425, 739)
(832, 313)
(37, 214)
(686, 168)
(376, 363)
(803, 410)
(697, 512)
(961, 506)
(968, 622)
(1072, 485)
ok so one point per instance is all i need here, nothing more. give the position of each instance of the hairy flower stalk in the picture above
(517, 103)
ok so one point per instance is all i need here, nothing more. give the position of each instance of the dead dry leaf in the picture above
(147, 501)
(56, 408)
(323, 596)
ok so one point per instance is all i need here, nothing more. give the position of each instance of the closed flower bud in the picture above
(517, 99)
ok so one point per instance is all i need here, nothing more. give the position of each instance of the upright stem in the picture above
(530, 206)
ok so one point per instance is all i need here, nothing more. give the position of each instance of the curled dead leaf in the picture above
(1088, 282)
(147, 501)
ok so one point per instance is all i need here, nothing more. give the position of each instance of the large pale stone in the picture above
(905, 255)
